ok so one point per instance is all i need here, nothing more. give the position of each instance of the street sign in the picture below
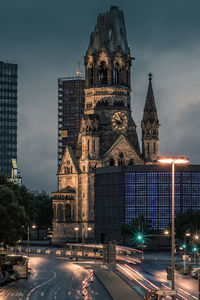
(166, 292)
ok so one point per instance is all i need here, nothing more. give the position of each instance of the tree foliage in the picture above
(20, 209)
(138, 225)
(189, 221)
(44, 212)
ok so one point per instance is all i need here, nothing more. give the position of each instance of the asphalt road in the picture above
(150, 276)
(54, 279)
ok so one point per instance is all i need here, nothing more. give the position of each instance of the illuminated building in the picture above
(8, 116)
(107, 135)
(122, 194)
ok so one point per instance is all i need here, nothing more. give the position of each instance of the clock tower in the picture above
(107, 135)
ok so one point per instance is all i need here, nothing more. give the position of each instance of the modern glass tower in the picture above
(8, 116)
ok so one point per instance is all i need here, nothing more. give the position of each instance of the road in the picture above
(152, 276)
(53, 279)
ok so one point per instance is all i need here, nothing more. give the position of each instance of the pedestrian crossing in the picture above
(10, 294)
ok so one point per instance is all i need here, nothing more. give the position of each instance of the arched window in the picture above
(154, 148)
(121, 159)
(90, 75)
(68, 212)
(54, 212)
(131, 162)
(88, 145)
(112, 162)
(93, 146)
(60, 212)
(103, 76)
(148, 147)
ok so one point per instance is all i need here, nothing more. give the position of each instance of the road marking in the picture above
(54, 297)
(42, 294)
(38, 286)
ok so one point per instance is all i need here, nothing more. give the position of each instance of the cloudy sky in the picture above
(46, 38)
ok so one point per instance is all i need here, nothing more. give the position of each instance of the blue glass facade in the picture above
(8, 116)
(149, 194)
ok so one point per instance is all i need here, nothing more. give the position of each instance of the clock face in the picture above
(119, 120)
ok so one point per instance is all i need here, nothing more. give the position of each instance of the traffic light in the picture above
(140, 237)
(184, 246)
(195, 249)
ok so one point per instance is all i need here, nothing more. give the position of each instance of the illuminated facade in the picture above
(122, 194)
(8, 116)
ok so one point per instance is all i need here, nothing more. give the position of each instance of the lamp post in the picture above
(173, 161)
(28, 235)
(76, 229)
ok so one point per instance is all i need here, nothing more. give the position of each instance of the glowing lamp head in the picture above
(175, 160)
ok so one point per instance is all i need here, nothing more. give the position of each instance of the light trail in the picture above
(139, 274)
(178, 293)
(146, 288)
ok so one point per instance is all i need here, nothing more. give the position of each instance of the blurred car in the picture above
(194, 272)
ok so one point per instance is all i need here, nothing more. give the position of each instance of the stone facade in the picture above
(107, 134)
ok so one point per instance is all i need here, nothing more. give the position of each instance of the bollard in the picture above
(91, 276)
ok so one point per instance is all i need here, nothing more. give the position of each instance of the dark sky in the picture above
(47, 38)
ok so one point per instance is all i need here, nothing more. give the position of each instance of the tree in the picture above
(189, 221)
(44, 211)
(17, 211)
(138, 230)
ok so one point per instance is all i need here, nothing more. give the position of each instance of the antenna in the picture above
(78, 72)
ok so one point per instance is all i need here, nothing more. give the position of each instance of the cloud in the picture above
(47, 38)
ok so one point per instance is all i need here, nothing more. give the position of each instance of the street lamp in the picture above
(173, 161)
(76, 229)
(28, 234)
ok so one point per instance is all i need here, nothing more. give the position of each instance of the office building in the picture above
(8, 116)
(70, 112)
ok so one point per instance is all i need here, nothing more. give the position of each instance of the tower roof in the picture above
(150, 110)
(109, 32)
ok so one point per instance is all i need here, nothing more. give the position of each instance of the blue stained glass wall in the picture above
(149, 194)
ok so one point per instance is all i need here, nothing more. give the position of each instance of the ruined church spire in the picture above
(150, 126)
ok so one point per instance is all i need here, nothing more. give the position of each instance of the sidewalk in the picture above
(116, 287)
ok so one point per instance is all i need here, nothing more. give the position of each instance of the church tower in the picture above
(107, 135)
(150, 127)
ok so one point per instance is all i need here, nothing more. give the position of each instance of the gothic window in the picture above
(148, 147)
(154, 148)
(88, 145)
(103, 76)
(54, 212)
(131, 162)
(93, 146)
(116, 76)
(60, 212)
(90, 75)
(121, 159)
(68, 212)
(112, 162)
(71, 169)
